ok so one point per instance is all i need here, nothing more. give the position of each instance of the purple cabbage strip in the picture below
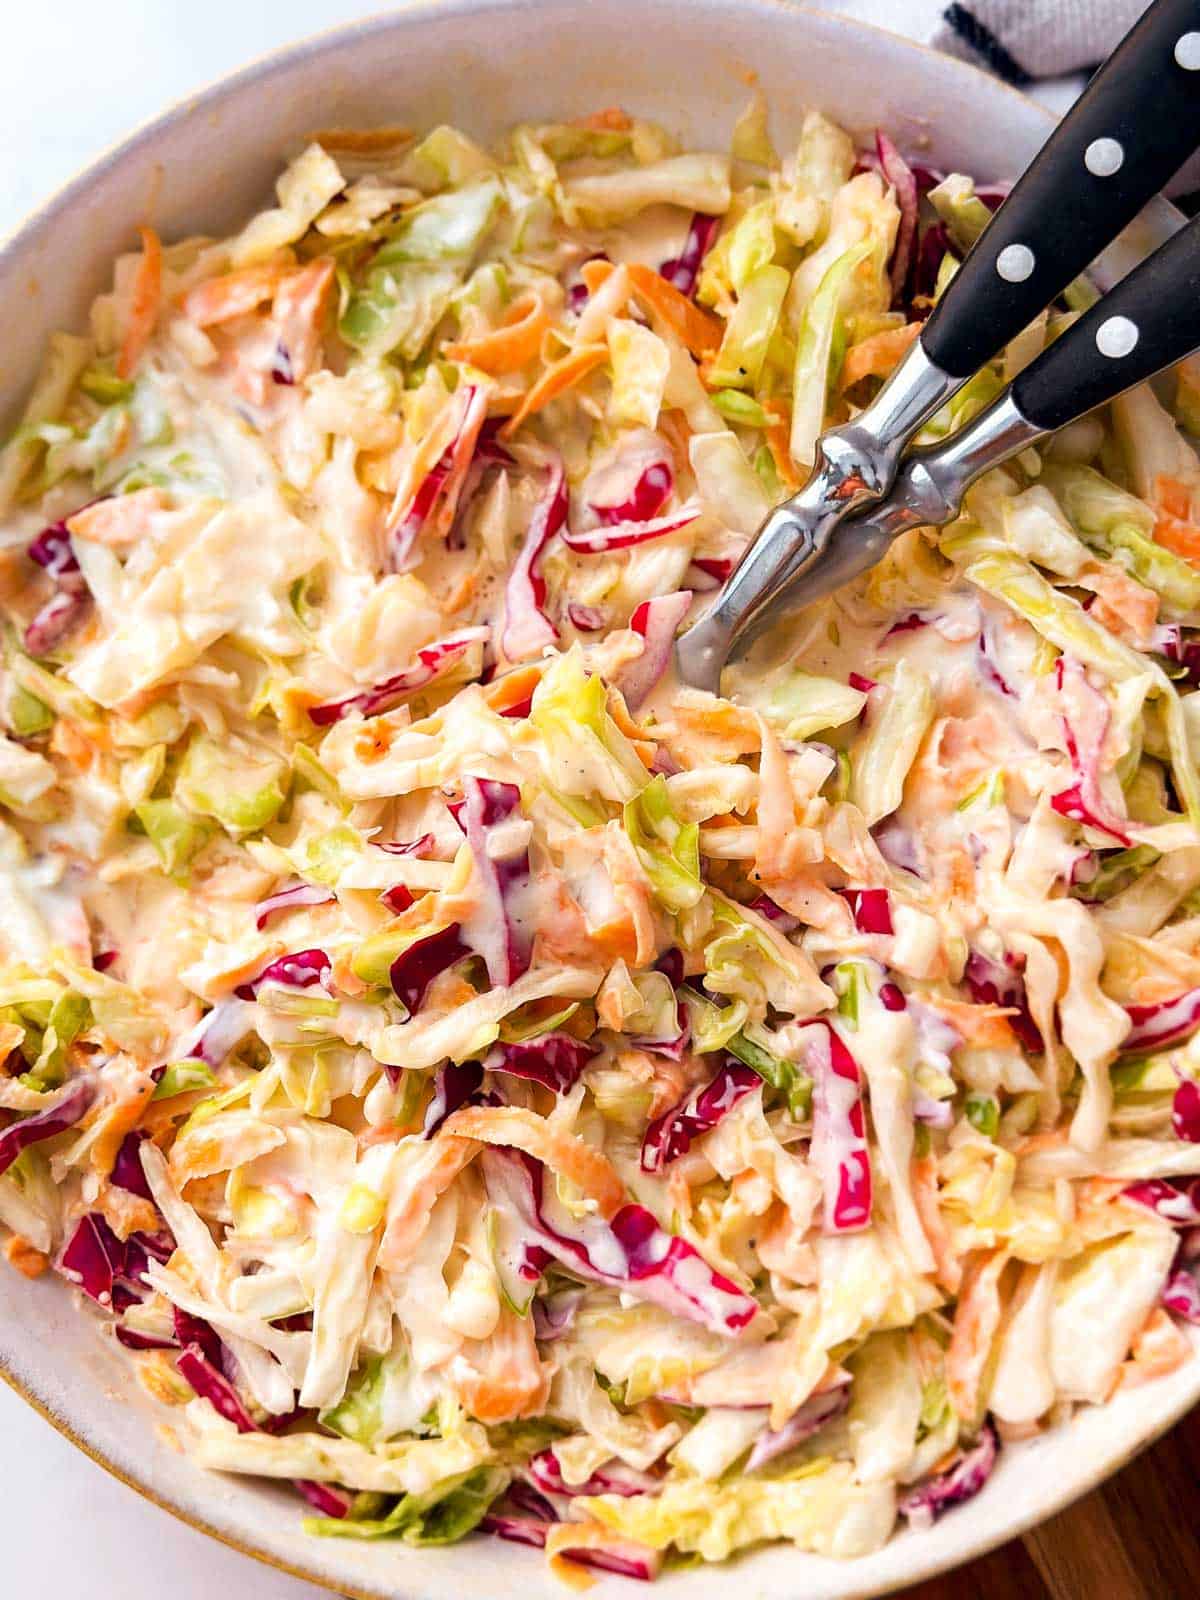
(766, 907)
(683, 271)
(1162, 1022)
(924, 1504)
(653, 1264)
(328, 1500)
(670, 1136)
(871, 909)
(63, 1114)
(453, 1085)
(999, 983)
(1185, 1112)
(899, 174)
(612, 1478)
(415, 968)
(94, 1258)
(127, 1172)
(433, 661)
(491, 819)
(214, 1387)
(554, 1059)
(218, 1032)
(527, 628)
(300, 894)
(304, 969)
(623, 535)
(647, 500)
(588, 619)
(53, 551)
(1178, 1202)
(555, 1315)
(801, 1425)
(656, 620)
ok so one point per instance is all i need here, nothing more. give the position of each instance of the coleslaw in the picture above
(480, 1080)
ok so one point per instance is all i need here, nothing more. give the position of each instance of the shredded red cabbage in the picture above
(924, 1504)
(498, 835)
(1177, 1202)
(328, 1500)
(214, 1387)
(999, 983)
(839, 1143)
(670, 1136)
(527, 628)
(801, 1425)
(612, 1478)
(63, 1114)
(683, 271)
(415, 968)
(656, 620)
(631, 1250)
(93, 1258)
(53, 551)
(871, 908)
(899, 174)
(1181, 1293)
(433, 661)
(1162, 1022)
(454, 1083)
(588, 619)
(302, 970)
(554, 1059)
(1085, 722)
(404, 533)
(554, 1315)
(298, 894)
(654, 487)
(218, 1032)
(127, 1172)
(622, 535)
(1185, 1112)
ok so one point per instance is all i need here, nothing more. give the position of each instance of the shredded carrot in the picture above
(234, 294)
(501, 1378)
(1172, 497)
(673, 426)
(778, 435)
(611, 120)
(413, 1200)
(562, 1152)
(118, 522)
(513, 345)
(925, 1193)
(299, 310)
(875, 357)
(513, 688)
(28, 1261)
(116, 1122)
(976, 1321)
(145, 304)
(694, 327)
(983, 1025)
(1179, 537)
(557, 378)
(1158, 1347)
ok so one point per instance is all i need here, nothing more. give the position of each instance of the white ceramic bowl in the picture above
(203, 166)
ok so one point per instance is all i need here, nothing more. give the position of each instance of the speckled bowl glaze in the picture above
(203, 166)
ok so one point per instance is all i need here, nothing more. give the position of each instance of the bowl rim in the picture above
(261, 69)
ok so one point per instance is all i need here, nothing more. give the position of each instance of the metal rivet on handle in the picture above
(1187, 52)
(1116, 337)
(1103, 157)
(1015, 262)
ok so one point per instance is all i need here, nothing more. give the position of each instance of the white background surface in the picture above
(75, 76)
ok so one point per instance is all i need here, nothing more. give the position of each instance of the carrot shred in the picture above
(299, 310)
(779, 437)
(557, 379)
(611, 120)
(513, 689)
(700, 332)
(29, 1261)
(513, 345)
(233, 294)
(976, 1322)
(561, 1151)
(875, 357)
(1172, 497)
(119, 522)
(1180, 537)
(145, 304)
